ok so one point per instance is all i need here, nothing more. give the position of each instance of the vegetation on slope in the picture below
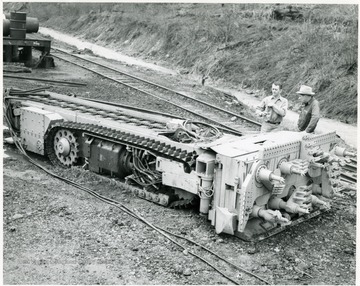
(240, 44)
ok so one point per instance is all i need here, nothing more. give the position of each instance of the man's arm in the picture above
(315, 116)
(261, 107)
(281, 110)
(301, 121)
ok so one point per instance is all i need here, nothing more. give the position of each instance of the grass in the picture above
(235, 43)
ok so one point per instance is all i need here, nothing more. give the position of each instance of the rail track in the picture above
(222, 118)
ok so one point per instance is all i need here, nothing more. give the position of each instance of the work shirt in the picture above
(272, 116)
(309, 116)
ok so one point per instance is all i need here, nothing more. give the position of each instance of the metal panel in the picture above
(33, 125)
(187, 182)
(313, 141)
(163, 164)
(109, 156)
(217, 191)
(235, 149)
(279, 150)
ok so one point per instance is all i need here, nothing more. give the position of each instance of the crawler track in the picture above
(118, 116)
(219, 116)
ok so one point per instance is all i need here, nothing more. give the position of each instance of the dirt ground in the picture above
(54, 233)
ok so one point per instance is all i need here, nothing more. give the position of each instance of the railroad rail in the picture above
(220, 116)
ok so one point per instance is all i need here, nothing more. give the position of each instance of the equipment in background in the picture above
(20, 37)
(250, 186)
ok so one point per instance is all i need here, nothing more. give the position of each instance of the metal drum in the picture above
(18, 25)
(21, 16)
(32, 25)
(17, 33)
(6, 27)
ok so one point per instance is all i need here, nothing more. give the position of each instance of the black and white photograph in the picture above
(179, 143)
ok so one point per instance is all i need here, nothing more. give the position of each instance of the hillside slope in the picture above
(241, 45)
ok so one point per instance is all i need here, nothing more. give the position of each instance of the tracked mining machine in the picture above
(251, 186)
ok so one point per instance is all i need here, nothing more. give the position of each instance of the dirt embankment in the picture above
(241, 45)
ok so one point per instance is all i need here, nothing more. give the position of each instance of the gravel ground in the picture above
(57, 234)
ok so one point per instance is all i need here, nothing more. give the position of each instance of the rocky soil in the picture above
(55, 233)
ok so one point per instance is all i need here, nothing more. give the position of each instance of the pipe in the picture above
(205, 194)
(297, 203)
(42, 79)
(288, 169)
(269, 215)
(339, 151)
(316, 201)
(266, 175)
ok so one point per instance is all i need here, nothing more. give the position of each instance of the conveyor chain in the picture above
(118, 116)
(299, 220)
(125, 138)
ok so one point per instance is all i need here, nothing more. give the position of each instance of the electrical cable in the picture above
(120, 206)
(127, 210)
(218, 256)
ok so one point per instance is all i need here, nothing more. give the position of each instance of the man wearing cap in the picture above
(310, 110)
(273, 109)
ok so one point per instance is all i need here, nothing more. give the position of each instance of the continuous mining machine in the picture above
(250, 186)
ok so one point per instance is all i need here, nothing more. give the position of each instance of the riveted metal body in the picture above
(33, 125)
(251, 186)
